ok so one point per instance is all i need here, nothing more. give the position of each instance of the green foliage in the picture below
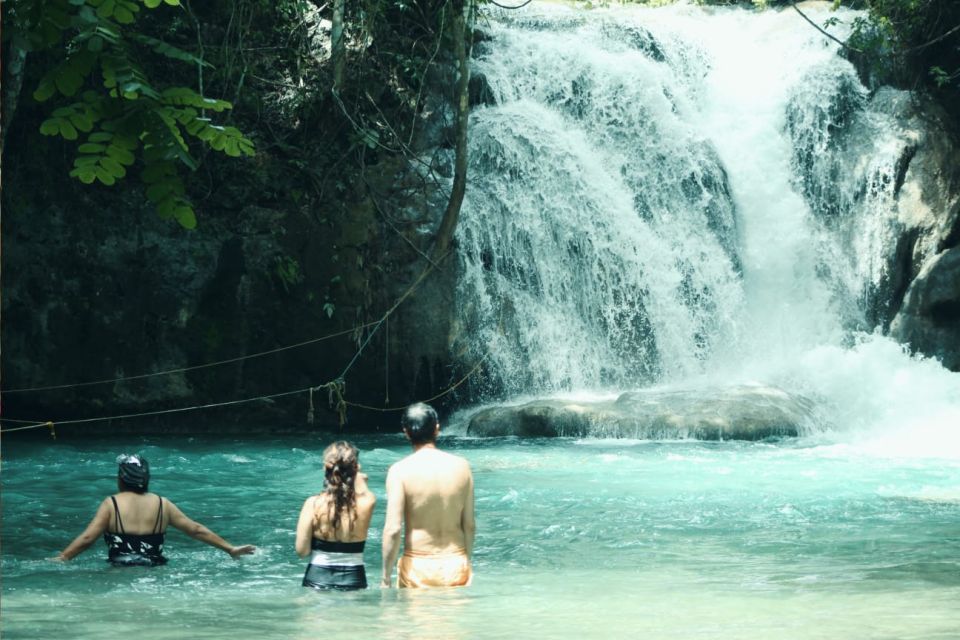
(109, 105)
(287, 269)
(912, 42)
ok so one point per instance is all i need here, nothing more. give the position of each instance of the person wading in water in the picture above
(333, 524)
(133, 522)
(430, 491)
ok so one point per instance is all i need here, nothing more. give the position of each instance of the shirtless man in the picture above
(432, 492)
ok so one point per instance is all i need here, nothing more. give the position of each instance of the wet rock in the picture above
(480, 91)
(930, 318)
(747, 412)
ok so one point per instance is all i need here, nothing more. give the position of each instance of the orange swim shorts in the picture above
(440, 570)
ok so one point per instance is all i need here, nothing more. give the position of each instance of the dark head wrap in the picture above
(134, 471)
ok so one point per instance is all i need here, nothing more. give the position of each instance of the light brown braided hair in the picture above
(340, 465)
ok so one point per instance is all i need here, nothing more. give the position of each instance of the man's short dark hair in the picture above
(420, 422)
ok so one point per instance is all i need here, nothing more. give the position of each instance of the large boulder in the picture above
(929, 320)
(746, 412)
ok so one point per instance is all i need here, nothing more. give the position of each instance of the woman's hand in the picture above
(245, 550)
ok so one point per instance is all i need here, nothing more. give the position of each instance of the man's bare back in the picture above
(437, 487)
(430, 499)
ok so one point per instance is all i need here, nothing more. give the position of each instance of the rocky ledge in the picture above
(746, 412)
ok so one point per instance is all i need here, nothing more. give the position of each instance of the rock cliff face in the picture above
(895, 205)
(96, 286)
(925, 266)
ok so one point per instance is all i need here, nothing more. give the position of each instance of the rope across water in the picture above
(336, 388)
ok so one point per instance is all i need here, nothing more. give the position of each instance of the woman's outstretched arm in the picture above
(99, 524)
(199, 532)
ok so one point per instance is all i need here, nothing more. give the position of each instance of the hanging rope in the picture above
(503, 6)
(336, 391)
(446, 391)
(336, 388)
(218, 363)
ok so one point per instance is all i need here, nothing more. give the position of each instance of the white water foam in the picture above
(650, 205)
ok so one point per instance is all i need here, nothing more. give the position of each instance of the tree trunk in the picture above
(448, 225)
(13, 66)
(336, 45)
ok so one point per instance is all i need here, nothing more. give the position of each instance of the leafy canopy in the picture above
(108, 105)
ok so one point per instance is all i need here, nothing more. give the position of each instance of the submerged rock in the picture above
(746, 412)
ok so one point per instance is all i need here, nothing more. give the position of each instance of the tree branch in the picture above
(823, 31)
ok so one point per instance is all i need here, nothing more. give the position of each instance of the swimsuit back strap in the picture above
(116, 511)
(159, 522)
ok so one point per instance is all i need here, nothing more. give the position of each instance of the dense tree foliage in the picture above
(153, 85)
(96, 73)
(912, 43)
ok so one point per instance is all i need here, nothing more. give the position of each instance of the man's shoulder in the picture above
(458, 459)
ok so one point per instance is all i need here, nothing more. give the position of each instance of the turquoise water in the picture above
(593, 538)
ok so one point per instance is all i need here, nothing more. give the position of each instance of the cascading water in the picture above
(673, 197)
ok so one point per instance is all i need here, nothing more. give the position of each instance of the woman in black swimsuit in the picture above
(333, 524)
(133, 522)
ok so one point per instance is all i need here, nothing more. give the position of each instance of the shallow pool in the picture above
(593, 538)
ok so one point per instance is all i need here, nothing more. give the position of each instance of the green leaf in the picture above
(196, 125)
(127, 142)
(95, 44)
(45, 90)
(50, 127)
(158, 192)
(84, 174)
(165, 208)
(85, 161)
(120, 155)
(104, 176)
(81, 122)
(246, 147)
(100, 136)
(123, 15)
(209, 133)
(152, 4)
(106, 9)
(91, 147)
(185, 216)
(173, 3)
(114, 167)
(67, 130)
(68, 81)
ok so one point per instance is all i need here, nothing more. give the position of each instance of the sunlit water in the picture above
(576, 538)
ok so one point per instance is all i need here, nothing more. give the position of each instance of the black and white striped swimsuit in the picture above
(336, 565)
(135, 549)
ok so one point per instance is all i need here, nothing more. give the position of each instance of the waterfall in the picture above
(676, 195)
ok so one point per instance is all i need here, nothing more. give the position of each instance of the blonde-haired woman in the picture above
(333, 524)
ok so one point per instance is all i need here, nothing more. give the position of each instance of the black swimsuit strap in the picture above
(159, 522)
(116, 510)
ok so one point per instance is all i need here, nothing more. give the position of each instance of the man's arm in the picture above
(99, 524)
(392, 526)
(467, 520)
(199, 532)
